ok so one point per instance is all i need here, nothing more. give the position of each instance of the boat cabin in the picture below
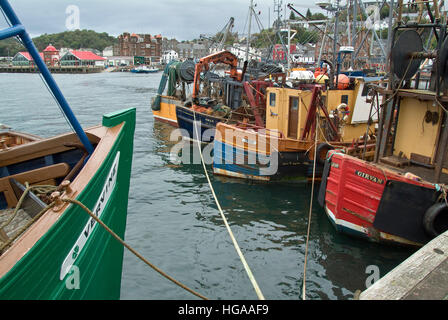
(286, 110)
(415, 137)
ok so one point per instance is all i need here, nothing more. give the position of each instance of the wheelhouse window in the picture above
(294, 103)
(272, 99)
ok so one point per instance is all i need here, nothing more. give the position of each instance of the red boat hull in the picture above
(356, 192)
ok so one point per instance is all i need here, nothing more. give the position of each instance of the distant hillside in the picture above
(69, 39)
(10, 47)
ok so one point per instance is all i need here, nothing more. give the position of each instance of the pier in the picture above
(55, 69)
(423, 276)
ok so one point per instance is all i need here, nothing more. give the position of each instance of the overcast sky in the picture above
(180, 19)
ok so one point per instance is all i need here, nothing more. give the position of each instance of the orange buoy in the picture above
(343, 81)
(319, 71)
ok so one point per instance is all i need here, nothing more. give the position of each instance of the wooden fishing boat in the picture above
(11, 139)
(400, 196)
(51, 248)
(283, 148)
(177, 75)
(218, 98)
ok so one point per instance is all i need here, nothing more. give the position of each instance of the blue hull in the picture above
(205, 128)
(279, 166)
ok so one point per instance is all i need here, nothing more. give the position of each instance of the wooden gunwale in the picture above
(44, 147)
(105, 137)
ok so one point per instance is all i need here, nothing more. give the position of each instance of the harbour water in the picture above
(173, 220)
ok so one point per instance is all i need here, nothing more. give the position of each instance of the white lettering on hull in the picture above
(98, 209)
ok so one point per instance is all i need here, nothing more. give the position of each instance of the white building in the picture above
(108, 51)
(169, 56)
(119, 61)
(241, 50)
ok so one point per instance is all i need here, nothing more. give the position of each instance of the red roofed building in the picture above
(81, 58)
(51, 56)
(24, 59)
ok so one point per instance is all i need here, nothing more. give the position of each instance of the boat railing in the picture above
(243, 125)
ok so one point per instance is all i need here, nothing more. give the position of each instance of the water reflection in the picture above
(274, 219)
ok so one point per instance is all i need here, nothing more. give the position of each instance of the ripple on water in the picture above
(173, 220)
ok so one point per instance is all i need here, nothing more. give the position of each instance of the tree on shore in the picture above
(69, 39)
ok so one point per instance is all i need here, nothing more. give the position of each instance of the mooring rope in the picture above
(42, 189)
(235, 243)
(55, 199)
(137, 254)
(311, 208)
(25, 227)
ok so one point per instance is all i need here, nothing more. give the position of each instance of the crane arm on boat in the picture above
(225, 57)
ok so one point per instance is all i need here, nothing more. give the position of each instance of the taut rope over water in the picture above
(235, 243)
(311, 209)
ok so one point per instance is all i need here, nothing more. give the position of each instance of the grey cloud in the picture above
(178, 19)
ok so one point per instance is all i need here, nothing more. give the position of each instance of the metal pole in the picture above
(248, 32)
(363, 10)
(354, 20)
(322, 45)
(289, 46)
(28, 43)
(349, 37)
(335, 33)
(389, 34)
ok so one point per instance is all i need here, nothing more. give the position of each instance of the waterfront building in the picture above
(192, 50)
(108, 51)
(23, 59)
(81, 58)
(169, 56)
(120, 61)
(51, 56)
(139, 45)
(241, 51)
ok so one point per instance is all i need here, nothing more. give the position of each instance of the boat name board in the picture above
(98, 209)
(369, 177)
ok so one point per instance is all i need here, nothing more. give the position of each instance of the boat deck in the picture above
(425, 173)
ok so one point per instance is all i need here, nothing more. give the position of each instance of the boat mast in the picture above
(17, 29)
(335, 40)
(389, 33)
(354, 20)
(248, 32)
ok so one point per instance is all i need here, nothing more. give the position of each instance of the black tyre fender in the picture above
(321, 147)
(435, 219)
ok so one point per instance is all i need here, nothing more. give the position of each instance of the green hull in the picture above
(97, 266)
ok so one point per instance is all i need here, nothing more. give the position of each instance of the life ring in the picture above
(435, 219)
(344, 109)
(321, 152)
